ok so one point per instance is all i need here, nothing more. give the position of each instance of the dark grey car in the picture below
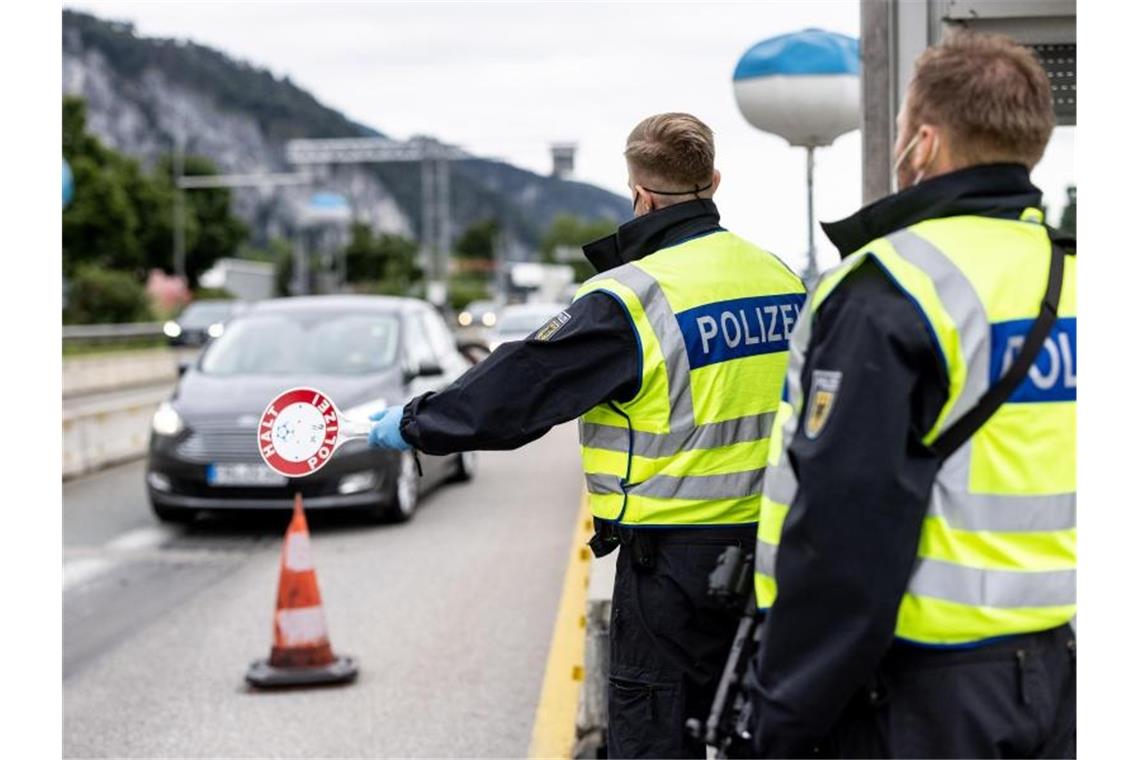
(365, 352)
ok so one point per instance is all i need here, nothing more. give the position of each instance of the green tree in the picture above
(478, 241)
(363, 262)
(213, 232)
(571, 232)
(385, 262)
(122, 216)
(153, 199)
(98, 295)
(462, 289)
(475, 263)
(100, 225)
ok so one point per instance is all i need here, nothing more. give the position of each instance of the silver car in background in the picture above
(517, 321)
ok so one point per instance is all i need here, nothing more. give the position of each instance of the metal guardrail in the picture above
(113, 331)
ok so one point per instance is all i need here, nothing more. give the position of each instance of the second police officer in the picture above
(917, 542)
(672, 358)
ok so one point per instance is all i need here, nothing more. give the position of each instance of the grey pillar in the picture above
(876, 21)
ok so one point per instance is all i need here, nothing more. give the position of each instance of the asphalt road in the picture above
(450, 617)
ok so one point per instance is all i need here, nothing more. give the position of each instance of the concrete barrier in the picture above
(112, 428)
(121, 369)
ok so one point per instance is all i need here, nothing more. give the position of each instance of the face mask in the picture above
(902, 157)
(696, 191)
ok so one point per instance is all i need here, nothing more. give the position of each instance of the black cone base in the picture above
(264, 676)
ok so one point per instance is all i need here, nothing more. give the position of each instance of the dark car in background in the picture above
(201, 321)
(478, 314)
(365, 352)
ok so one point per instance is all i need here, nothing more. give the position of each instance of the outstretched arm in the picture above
(524, 388)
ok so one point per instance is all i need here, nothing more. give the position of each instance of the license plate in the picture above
(242, 475)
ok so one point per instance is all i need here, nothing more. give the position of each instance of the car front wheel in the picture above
(404, 495)
(465, 467)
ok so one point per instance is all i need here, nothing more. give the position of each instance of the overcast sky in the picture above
(505, 80)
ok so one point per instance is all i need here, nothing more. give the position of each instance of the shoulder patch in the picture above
(556, 323)
(821, 400)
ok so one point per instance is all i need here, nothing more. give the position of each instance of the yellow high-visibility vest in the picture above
(997, 553)
(713, 315)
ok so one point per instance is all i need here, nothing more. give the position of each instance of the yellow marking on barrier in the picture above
(553, 732)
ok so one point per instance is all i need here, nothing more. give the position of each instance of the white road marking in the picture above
(83, 569)
(141, 538)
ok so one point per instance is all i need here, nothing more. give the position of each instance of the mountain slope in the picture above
(142, 93)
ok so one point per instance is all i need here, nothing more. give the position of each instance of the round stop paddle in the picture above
(301, 429)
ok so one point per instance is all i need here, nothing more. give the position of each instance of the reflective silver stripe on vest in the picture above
(669, 338)
(733, 485)
(797, 349)
(993, 588)
(655, 445)
(601, 483)
(1000, 513)
(781, 485)
(766, 558)
(965, 308)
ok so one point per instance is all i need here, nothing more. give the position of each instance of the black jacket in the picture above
(851, 536)
(524, 388)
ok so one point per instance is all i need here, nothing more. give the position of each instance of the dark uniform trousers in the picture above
(1011, 698)
(668, 642)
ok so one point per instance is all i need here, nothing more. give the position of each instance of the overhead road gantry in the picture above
(434, 158)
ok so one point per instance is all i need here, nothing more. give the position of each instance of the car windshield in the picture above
(205, 313)
(304, 343)
(524, 321)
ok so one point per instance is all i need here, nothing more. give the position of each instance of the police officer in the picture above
(916, 552)
(654, 357)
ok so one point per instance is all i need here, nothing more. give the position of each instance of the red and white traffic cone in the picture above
(301, 654)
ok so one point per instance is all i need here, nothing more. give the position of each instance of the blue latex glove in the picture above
(386, 432)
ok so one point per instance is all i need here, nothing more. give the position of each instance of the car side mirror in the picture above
(183, 365)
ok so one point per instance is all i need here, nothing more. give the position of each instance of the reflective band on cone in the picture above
(303, 627)
(298, 552)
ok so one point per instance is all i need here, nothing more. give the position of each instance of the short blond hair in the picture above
(988, 92)
(675, 148)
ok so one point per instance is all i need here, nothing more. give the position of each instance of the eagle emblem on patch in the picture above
(556, 323)
(821, 400)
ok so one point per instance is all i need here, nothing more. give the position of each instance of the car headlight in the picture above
(489, 319)
(166, 420)
(464, 318)
(171, 329)
(215, 330)
(357, 482)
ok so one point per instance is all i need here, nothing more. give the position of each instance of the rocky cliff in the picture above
(142, 93)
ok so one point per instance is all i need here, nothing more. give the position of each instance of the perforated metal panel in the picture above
(1060, 63)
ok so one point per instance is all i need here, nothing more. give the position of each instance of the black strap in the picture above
(972, 421)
